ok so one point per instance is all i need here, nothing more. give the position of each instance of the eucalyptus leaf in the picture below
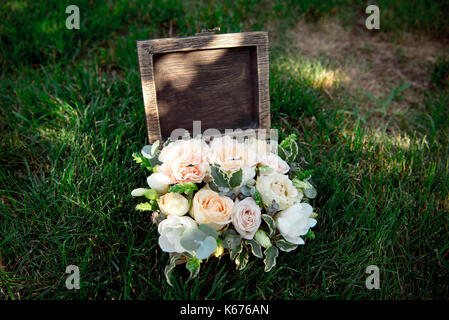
(154, 147)
(207, 247)
(192, 239)
(271, 254)
(255, 248)
(231, 240)
(147, 152)
(285, 246)
(270, 222)
(208, 230)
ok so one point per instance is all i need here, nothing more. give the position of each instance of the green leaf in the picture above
(310, 235)
(270, 222)
(258, 198)
(310, 192)
(284, 154)
(242, 259)
(271, 254)
(169, 268)
(208, 230)
(145, 206)
(193, 265)
(219, 177)
(255, 248)
(236, 179)
(265, 169)
(236, 251)
(262, 238)
(151, 194)
(192, 239)
(213, 186)
(305, 175)
(207, 247)
(285, 245)
(230, 239)
(187, 188)
(154, 147)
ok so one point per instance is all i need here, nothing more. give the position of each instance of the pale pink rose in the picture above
(210, 208)
(246, 217)
(231, 155)
(274, 162)
(185, 161)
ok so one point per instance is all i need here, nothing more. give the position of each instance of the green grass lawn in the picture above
(72, 115)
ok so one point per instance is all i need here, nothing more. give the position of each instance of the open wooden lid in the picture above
(221, 80)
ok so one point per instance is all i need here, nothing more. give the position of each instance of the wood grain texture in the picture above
(222, 80)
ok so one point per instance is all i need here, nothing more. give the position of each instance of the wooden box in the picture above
(220, 79)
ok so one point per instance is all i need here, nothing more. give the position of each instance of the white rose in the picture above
(277, 187)
(159, 182)
(248, 174)
(173, 203)
(274, 162)
(171, 231)
(246, 217)
(295, 222)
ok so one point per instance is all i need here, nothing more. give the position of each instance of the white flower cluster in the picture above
(227, 195)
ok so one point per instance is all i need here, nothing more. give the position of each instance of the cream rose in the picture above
(171, 230)
(295, 222)
(159, 182)
(231, 154)
(277, 187)
(246, 217)
(210, 208)
(274, 162)
(173, 203)
(185, 161)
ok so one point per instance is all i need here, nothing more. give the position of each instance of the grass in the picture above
(72, 114)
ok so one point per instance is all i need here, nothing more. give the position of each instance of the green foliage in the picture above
(285, 245)
(236, 179)
(186, 188)
(231, 239)
(262, 238)
(256, 248)
(271, 254)
(168, 270)
(147, 206)
(242, 259)
(202, 241)
(270, 223)
(193, 265)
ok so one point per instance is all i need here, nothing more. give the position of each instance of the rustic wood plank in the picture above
(222, 80)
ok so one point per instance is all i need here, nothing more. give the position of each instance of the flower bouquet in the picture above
(226, 196)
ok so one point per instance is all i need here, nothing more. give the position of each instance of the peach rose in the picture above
(246, 217)
(231, 154)
(185, 161)
(211, 208)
